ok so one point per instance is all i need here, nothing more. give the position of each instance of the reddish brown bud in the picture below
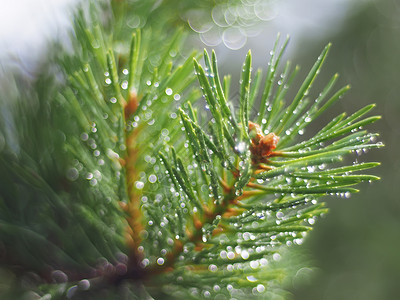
(268, 143)
(261, 145)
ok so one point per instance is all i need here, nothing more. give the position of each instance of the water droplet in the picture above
(72, 174)
(124, 85)
(206, 294)
(168, 91)
(71, 291)
(125, 71)
(231, 255)
(165, 132)
(244, 254)
(160, 261)
(107, 81)
(152, 178)
(263, 262)
(241, 147)
(139, 185)
(84, 136)
(97, 174)
(298, 241)
(113, 100)
(145, 262)
(239, 192)
(276, 256)
(254, 264)
(212, 268)
(84, 284)
(260, 288)
(311, 169)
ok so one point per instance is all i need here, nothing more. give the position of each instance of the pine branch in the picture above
(137, 187)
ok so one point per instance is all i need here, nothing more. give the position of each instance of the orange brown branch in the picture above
(132, 105)
(133, 207)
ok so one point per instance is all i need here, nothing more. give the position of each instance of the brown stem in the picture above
(133, 208)
(134, 219)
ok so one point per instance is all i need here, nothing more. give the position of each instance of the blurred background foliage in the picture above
(355, 249)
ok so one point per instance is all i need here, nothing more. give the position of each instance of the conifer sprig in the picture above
(162, 197)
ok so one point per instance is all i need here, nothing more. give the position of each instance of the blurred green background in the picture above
(355, 249)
